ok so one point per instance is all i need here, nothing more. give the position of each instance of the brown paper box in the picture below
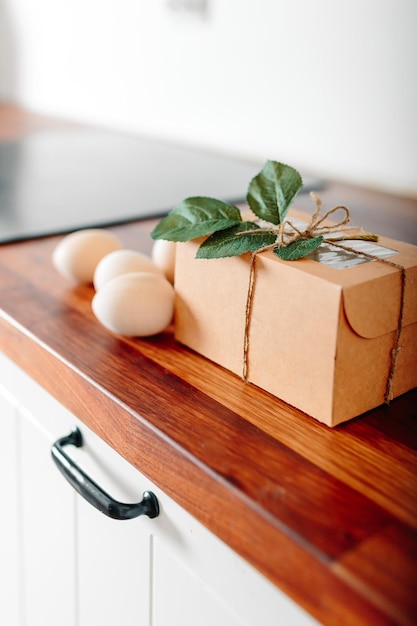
(320, 338)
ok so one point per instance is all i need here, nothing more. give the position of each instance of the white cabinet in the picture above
(63, 562)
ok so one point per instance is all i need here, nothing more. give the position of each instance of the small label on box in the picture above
(340, 259)
(343, 259)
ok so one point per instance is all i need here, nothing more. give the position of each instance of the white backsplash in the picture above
(326, 85)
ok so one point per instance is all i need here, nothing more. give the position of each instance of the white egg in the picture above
(122, 262)
(139, 304)
(163, 255)
(76, 256)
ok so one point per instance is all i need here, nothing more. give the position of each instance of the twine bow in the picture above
(288, 233)
(315, 226)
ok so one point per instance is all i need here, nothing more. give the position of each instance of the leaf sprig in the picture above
(270, 195)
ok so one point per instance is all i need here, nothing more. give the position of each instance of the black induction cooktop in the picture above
(56, 181)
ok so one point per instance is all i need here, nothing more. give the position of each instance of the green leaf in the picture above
(298, 249)
(245, 237)
(271, 192)
(196, 217)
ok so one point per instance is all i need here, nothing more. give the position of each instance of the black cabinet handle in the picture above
(87, 488)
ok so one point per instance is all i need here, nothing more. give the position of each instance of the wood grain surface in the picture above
(328, 515)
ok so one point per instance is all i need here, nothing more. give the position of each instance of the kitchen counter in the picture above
(328, 515)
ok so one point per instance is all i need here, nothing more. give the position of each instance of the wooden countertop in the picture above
(329, 515)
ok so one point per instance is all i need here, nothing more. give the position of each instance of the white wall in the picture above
(327, 85)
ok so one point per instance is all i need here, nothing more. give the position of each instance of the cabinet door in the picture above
(40, 561)
(65, 562)
(48, 534)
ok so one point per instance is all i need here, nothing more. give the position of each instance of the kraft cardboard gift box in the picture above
(321, 332)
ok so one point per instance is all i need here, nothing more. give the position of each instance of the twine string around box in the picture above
(313, 229)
